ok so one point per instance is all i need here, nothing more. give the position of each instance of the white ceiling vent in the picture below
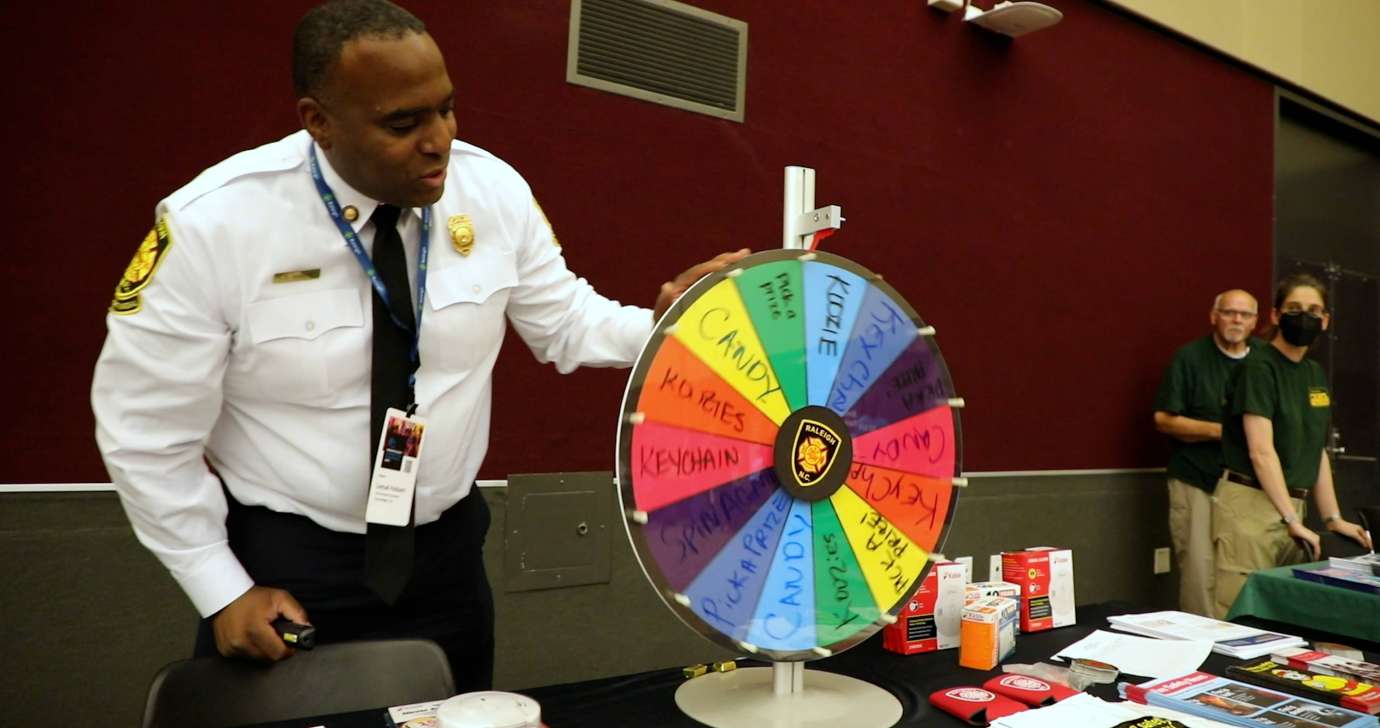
(661, 51)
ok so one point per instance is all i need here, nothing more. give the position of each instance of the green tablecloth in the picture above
(1275, 594)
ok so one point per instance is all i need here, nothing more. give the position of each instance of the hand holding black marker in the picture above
(301, 636)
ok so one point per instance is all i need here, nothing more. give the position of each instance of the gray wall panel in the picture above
(89, 616)
(86, 614)
(1112, 522)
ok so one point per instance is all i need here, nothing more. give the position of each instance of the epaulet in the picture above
(462, 149)
(280, 156)
(466, 152)
(469, 154)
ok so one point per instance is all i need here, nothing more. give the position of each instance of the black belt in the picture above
(1249, 482)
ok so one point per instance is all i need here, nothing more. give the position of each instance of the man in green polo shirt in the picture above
(1188, 408)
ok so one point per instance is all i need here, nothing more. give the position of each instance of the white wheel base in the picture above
(744, 698)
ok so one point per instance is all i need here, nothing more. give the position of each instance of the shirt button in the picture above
(311, 325)
(477, 289)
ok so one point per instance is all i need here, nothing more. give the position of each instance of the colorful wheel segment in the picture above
(787, 455)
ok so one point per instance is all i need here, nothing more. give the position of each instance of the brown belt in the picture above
(1249, 482)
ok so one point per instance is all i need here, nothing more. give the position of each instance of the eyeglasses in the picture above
(1234, 313)
(1315, 310)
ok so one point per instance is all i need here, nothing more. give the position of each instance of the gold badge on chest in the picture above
(461, 233)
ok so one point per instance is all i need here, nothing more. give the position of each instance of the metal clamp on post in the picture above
(800, 218)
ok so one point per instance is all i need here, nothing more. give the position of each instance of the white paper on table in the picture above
(1182, 625)
(1140, 655)
(1087, 711)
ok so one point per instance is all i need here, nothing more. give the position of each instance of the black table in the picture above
(648, 699)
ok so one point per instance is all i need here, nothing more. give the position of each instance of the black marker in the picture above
(301, 636)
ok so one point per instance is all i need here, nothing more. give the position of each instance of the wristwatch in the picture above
(1331, 518)
(1291, 519)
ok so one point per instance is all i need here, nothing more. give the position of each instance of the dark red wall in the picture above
(1062, 207)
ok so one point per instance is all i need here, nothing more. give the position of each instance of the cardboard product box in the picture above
(980, 589)
(415, 715)
(929, 621)
(988, 632)
(1045, 576)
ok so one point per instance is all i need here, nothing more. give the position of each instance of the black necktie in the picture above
(389, 552)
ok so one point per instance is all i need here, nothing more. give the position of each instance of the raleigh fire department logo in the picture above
(812, 453)
(971, 695)
(815, 448)
(140, 270)
(1021, 682)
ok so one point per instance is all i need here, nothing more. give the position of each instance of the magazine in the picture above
(1322, 663)
(1331, 689)
(1240, 704)
(1365, 564)
(1344, 578)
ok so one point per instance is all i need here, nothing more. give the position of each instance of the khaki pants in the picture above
(1248, 535)
(1190, 530)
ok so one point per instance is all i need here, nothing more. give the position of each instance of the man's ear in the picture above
(315, 120)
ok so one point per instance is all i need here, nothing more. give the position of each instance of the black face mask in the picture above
(1299, 328)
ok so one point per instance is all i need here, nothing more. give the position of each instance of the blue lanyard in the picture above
(352, 239)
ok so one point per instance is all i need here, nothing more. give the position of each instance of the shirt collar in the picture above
(350, 197)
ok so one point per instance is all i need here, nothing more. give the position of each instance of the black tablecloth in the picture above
(648, 699)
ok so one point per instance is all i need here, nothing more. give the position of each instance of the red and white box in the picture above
(930, 619)
(1045, 576)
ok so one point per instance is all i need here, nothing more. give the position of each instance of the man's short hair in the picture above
(325, 29)
(1217, 302)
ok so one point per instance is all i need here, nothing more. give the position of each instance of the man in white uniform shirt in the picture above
(241, 337)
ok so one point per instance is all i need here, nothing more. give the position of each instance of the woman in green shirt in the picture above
(1278, 408)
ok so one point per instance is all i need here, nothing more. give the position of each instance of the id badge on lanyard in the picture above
(394, 482)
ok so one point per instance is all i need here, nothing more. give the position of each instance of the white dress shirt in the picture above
(269, 381)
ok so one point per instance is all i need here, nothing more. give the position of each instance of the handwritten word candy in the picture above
(785, 618)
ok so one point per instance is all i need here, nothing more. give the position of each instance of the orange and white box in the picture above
(987, 634)
(980, 589)
(1045, 576)
(929, 621)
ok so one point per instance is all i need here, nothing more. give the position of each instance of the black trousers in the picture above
(448, 601)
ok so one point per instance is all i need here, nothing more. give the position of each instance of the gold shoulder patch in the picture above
(141, 269)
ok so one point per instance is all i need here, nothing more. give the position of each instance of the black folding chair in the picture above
(214, 692)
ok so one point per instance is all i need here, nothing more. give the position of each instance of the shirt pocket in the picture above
(468, 284)
(465, 325)
(298, 342)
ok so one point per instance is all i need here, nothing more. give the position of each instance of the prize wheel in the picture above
(787, 455)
